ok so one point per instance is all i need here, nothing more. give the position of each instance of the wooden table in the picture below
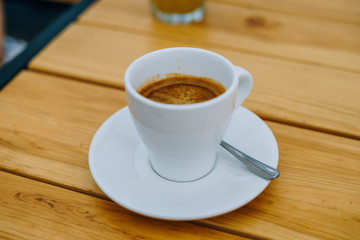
(305, 60)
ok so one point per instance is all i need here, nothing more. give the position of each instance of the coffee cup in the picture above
(182, 141)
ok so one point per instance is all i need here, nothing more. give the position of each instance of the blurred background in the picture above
(23, 20)
(26, 26)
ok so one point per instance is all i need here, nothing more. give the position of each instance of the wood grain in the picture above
(267, 33)
(316, 196)
(47, 123)
(57, 119)
(34, 210)
(337, 10)
(289, 92)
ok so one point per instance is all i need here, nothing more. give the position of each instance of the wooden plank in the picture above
(35, 210)
(314, 195)
(295, 93)
(337, 10)
(47, 123)
(260, 32)
(57, 119)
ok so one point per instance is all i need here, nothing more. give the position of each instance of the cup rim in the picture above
(129, 89)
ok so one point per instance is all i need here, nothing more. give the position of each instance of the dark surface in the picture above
(36, 22)
(25, 19)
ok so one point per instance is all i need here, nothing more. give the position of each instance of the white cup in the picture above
(182, 140)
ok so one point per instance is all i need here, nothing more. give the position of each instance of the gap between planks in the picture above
(198, 222)
(263, 117)
(116, 28)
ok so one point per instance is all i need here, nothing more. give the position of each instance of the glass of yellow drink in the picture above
(178, 11)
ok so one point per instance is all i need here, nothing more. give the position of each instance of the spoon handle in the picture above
(257, 167)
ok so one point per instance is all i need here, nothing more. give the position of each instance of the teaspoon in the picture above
(261, 169)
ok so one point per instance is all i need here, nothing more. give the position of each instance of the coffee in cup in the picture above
(182, 89)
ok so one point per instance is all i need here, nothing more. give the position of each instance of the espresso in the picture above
(182, 89)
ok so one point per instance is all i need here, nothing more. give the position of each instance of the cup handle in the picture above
(245, 85)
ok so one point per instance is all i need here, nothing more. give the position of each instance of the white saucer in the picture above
(120, 166)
